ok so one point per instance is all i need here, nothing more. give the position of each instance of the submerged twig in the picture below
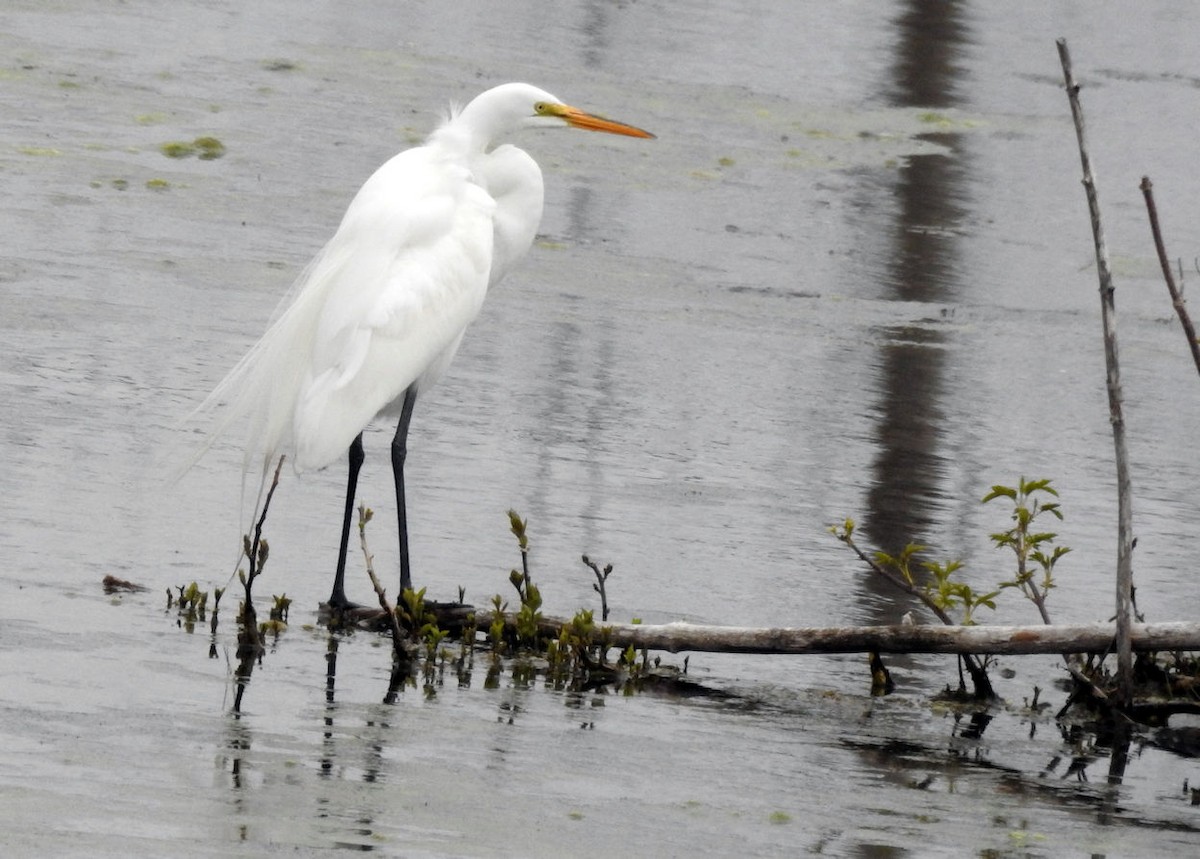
(250, 646)
(1176, 296)
(1116, 417)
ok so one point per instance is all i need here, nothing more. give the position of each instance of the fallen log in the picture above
(1012, 640)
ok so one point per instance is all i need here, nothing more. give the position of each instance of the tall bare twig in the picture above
(1116, 417)
(1176, 296)
(399, 650)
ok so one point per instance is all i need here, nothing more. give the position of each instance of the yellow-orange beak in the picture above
(577, 118)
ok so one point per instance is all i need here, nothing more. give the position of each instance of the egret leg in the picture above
(338, 598)
(399, 453)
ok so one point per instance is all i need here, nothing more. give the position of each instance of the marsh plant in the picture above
(1035, 552)
(191, 604)
(574, 653)
(939, 585)
(569, 655)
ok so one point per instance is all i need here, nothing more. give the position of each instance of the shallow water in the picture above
(852, 277)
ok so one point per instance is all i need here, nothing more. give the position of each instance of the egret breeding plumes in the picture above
(379, 313)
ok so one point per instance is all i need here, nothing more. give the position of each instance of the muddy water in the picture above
(852, 277)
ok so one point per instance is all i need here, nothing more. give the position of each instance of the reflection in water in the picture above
(930, 192)
(923, 261)
(579, 212)
(907, 469)
(575, 428)
(922, 267)
(594, 28)
(331, 657)
(367, 741)
(931, 35)
(237, 742)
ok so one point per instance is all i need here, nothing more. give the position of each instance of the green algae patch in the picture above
(209, 148)
(204, 148)
(177, 149)
(280, 65)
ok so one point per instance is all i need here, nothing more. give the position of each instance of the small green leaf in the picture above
(518, 525)
(1000, 492)
(1028, 487)
(988, 600)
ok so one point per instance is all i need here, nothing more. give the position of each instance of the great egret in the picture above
(378, 314)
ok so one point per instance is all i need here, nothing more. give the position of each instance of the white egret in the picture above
(378, 314)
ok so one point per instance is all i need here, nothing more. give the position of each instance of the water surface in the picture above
(853, 276)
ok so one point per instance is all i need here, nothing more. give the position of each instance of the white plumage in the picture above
(379, 313)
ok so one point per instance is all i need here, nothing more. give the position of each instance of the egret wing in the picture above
(387, 295)
(411, 272)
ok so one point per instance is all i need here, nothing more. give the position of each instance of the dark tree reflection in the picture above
(923, 266)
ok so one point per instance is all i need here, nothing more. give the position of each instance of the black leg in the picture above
(399, 453)
(337, 600)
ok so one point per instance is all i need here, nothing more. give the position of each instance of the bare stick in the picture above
(1108, 314)
(1176, 295)
(258, 527)
(364, 516)
(599, 586)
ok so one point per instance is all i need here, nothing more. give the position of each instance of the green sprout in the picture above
(1034, 550)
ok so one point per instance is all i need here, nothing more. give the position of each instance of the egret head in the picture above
(509, 107)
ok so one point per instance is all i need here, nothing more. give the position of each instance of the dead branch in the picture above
(398, 646)
(1108, 313)
(1004, 640)
(1176, 296)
